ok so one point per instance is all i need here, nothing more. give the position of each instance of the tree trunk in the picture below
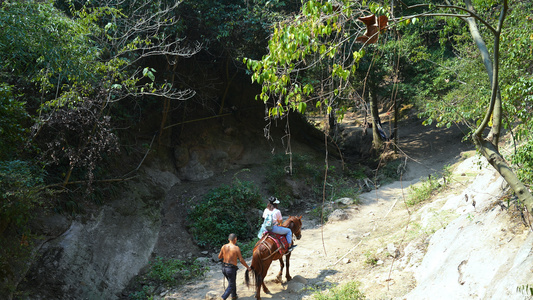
(489, 147)
(498, 162)
(374, 111)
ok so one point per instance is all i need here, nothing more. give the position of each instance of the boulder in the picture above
(337, 215)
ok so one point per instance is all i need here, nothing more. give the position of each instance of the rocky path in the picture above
(377, 242)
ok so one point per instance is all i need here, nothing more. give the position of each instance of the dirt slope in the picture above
(360, 248)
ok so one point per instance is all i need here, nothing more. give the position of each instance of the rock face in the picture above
(482, 254)
(96, 258)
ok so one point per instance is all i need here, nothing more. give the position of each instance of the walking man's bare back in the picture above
(229, 254)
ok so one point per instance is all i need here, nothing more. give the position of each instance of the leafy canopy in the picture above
(315, 34)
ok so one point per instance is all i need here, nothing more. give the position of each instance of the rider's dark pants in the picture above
(230, 272)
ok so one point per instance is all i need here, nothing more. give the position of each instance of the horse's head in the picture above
(295, 224)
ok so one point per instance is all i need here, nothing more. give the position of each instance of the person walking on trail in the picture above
(230, 253)
(275, 215)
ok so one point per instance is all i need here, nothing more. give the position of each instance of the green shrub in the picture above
(279, 169)
(320, 211)
(392, 170)
(172, 271)
(20, 192)
(341, 187)
(523, 158)
(371, 258)
(12, 119)
(167, 272)
(248, 247)
(348, 291)
(143, 294)
(20, 183)
(225, 210)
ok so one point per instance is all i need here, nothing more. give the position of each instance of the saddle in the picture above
(280, 240)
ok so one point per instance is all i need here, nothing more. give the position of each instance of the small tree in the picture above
(488, 144)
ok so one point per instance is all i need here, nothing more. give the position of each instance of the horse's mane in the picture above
(290, 219)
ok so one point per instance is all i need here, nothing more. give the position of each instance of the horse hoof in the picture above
(289, 278)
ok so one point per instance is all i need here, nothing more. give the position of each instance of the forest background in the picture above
(88, 88)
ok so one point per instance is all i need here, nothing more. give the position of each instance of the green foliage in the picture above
(167, 272)
(247, 248)
(348, 291)
(41, 46)
(311, 35)
(171, 271)
(424, 190)
(319, 212)
(13, 116)
(20, 191)
(144, 294)
(459, 89)
(280, 183)
(341, 184)
(371, 258)
(14, 255)
(237, 27)
(523, 159)
(526, 289)
(279, 170)
(225, 210)
(392, 170)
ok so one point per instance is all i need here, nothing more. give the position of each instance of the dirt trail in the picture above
(360, 248)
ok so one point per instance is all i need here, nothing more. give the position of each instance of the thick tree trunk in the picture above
(498, 162)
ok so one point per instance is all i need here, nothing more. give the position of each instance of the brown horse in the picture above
(266, 251)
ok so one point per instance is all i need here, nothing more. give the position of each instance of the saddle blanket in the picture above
(281, 241)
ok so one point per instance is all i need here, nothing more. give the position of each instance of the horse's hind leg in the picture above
(258, 292)
(265, 289)
(287, 275)
(281, 265)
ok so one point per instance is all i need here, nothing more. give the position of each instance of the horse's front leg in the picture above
(281, 265)
(287, 275)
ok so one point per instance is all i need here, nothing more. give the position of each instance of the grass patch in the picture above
(427, 188)
(371, 258)
(422, 192)
(165, 272)
(348, 291)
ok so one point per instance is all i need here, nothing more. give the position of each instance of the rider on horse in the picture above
(272, 209)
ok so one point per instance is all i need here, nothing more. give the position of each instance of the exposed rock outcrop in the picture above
(98, 255)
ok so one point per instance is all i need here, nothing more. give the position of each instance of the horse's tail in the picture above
(247, 278)
(257, 269)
